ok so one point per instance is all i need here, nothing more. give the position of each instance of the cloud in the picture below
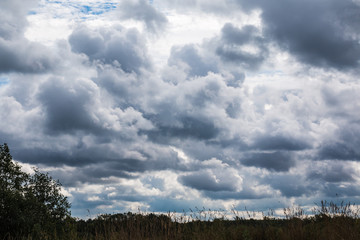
(342, 146)
(338, 151)
(213, 180)
(17, 54)
(67, 108)
(13, 17)
(217, 7)
(141, 10)
(290, 185)
(276, 161)
(117, 46)
(195, 64)
(176, 205)
(189, 128)
(244, 46)
(269, 142)
(244, 194)
(333, 173)
(348, 190)
(341, 141)
(319, 33)
(21, 56)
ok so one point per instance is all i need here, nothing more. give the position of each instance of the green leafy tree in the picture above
(12, 188)
(30, 205)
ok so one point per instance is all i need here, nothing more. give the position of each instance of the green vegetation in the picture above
(32, 207)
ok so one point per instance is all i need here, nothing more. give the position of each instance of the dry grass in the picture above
(326, 221)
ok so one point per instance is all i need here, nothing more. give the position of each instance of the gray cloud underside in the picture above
(319, 33)
(17, 54)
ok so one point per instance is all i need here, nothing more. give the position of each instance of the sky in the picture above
(170, 105)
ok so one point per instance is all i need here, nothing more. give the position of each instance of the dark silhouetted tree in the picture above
(30, 205)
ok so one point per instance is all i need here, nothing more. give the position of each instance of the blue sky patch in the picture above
(86, 9)
(4, 80)
(97, 9)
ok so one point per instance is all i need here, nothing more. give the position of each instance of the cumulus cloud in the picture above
(343, 146)
(189, 58)
(320, 33)
(141, 10)
(245, 47)
(278, 161)
(333, 173)
(217, 177)
(67, 107)
(13, 17)
(290, 185)
(22, 56)
(117, 46)
(288, 143)
(17, 54)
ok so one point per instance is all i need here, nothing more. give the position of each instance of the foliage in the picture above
(30, 205)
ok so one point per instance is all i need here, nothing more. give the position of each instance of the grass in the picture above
(326, 221)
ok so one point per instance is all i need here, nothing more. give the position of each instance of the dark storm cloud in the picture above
(52, 157)
(91, 174)
(279, 142)
(93, 164)
(276, 161)
(339, 151)
(321, 33)
(141, 10)
(117, 46)
(87, 166)
(66, 107)
(234, 42)
(333, 173)
(189, 127)
(344, 145)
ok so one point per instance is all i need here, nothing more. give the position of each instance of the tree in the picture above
(29, 204)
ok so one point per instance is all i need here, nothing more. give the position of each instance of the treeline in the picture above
(32, 207)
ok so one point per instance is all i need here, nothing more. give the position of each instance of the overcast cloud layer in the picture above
(166, 106)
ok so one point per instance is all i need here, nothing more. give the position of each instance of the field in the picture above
(327, 221)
